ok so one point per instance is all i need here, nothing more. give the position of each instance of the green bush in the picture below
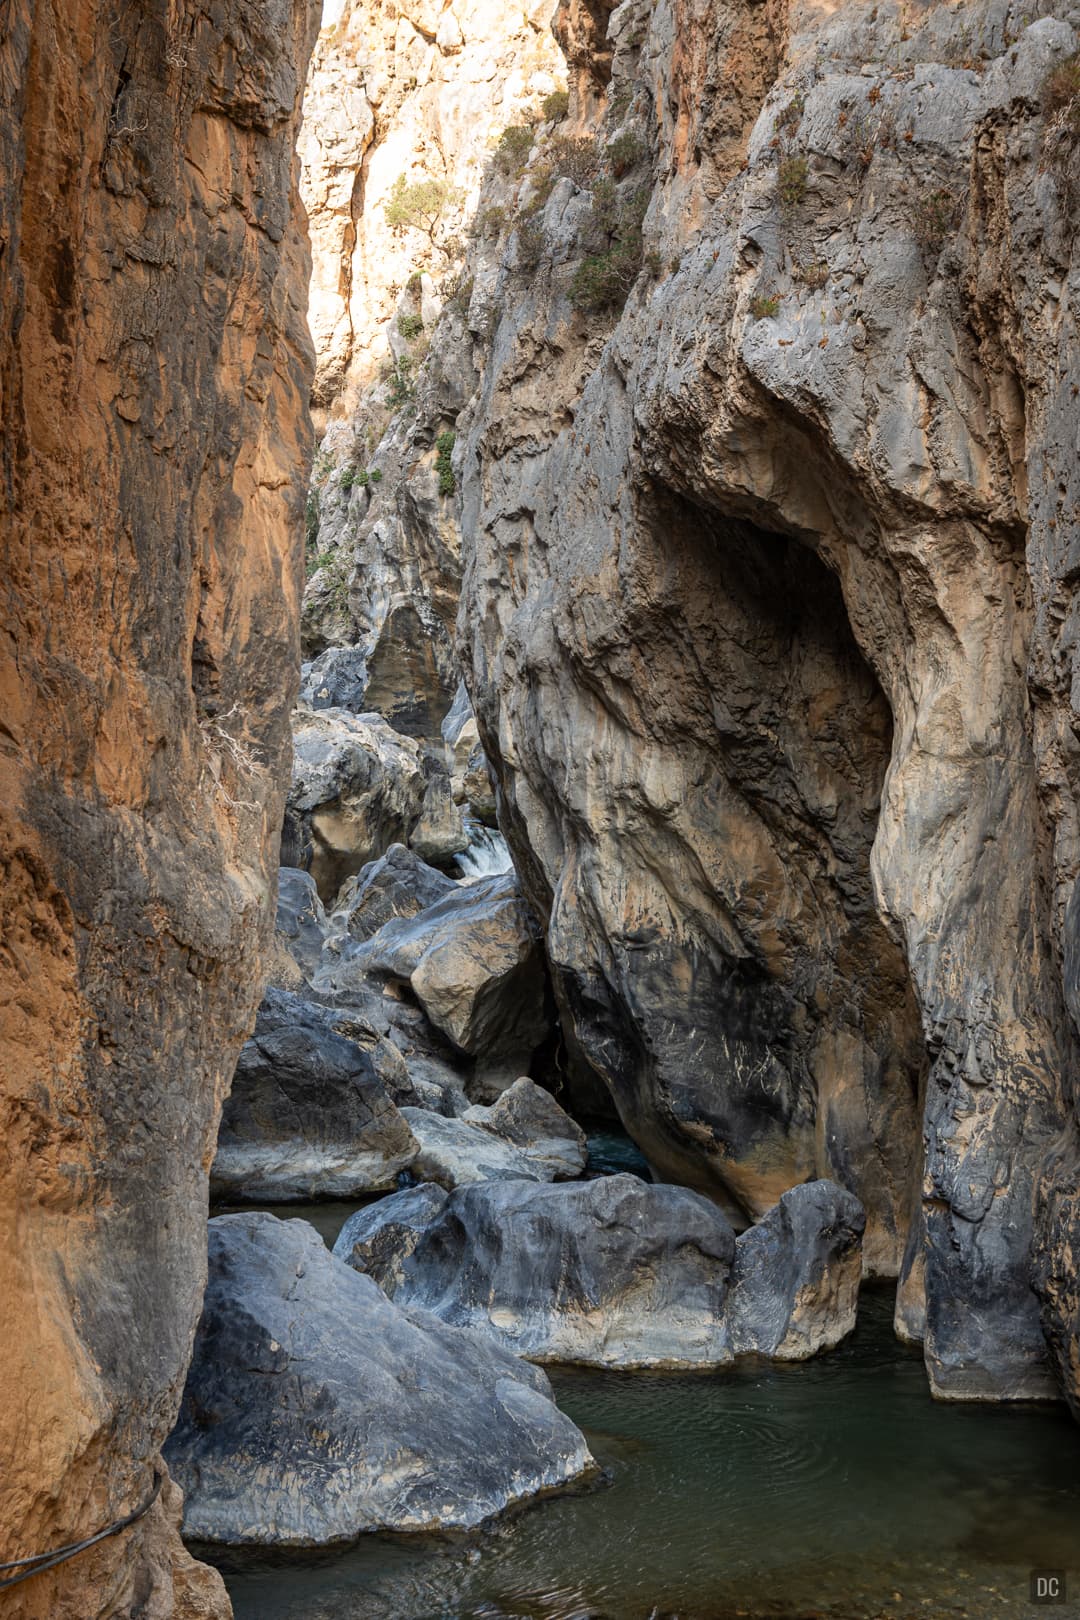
(400, 383)
(444, 446)
(347, 479)
(555, 107)
(625, 152)
(791, 182)
(578, 157)
(419, 206)
(376, 475)
(790, 117)
(415, 283)
(512, 152)
(410, 326)
(615, 248)
(763, 306)
(492, 221)
(530, 244)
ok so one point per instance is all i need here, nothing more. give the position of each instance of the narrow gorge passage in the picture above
(543, 799)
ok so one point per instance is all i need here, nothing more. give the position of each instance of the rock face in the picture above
(155, 368)
(780, 699)
(379, 1239)
(398, 884)
(316, 1410)
(761, 469)
(308, 1115)
(795, 1282)
(608, 1273)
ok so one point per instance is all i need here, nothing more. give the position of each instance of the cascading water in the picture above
(487, 854)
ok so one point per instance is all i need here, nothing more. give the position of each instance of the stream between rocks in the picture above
(835, 1488)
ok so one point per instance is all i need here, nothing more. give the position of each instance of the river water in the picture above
(836, 1488)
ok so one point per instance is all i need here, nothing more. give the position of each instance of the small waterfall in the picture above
(487, 854)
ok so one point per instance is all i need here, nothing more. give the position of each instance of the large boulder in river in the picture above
(309, 1115)
(316, 1410)
(301, 924)
(379, 1238)
(529, 1118)
(474, 963)
(609, 1273)
(795, 1282)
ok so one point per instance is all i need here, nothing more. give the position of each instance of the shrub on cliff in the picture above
(512, 151)
(555, 107)
(418, 206)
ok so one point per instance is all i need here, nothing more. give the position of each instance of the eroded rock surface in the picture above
(529, 1118)
(795, 1281)
(155, 371)
(379, 1239)
(316, 1410)
(608, 1273)
(309, 1114)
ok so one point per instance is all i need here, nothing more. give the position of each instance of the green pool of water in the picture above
(836, 1488)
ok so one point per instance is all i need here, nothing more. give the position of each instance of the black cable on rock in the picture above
(39, 1562)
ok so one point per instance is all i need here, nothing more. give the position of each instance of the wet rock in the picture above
(529, 1118)
(455, 1154)
(379, 1239)
(608, 1273)
(474, 964)
(795, 1281)
(316, 1410)
(308, 1115)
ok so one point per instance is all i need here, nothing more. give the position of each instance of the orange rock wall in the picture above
(154, 376)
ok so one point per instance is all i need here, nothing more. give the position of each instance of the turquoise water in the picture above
(836, 1488)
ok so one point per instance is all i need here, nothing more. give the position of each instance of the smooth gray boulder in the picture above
(456, 1154)
(474, 963)
(309, 1114)
(795, 1282)
(379, 1239)
(529, 1118)
(316, 1410)
(608, 1273)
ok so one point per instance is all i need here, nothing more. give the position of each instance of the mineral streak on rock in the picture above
(154, 373)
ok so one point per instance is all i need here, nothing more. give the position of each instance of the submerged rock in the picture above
(309, 1115)
(529, 1118)
(379, 1239)
(795, 1282)
(608, 1273)
(316, 1410)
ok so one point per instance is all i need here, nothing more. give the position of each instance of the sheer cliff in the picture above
(759, 399)
(154, 377)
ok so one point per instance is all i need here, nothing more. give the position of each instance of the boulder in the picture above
(529, 1118)
(473, 962)
(316, 1410)
(795, 1282)
(357, 786)
(456, 1154)
(309, 1115)
(380, 1238)
(301, 924)
(608, 1273)
(398, 884)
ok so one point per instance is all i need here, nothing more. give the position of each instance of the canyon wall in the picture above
(759, 406)
(154, 395)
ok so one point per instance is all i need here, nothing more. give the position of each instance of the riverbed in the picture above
(836, 1488)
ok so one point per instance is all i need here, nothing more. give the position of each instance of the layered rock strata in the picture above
(155, 370)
